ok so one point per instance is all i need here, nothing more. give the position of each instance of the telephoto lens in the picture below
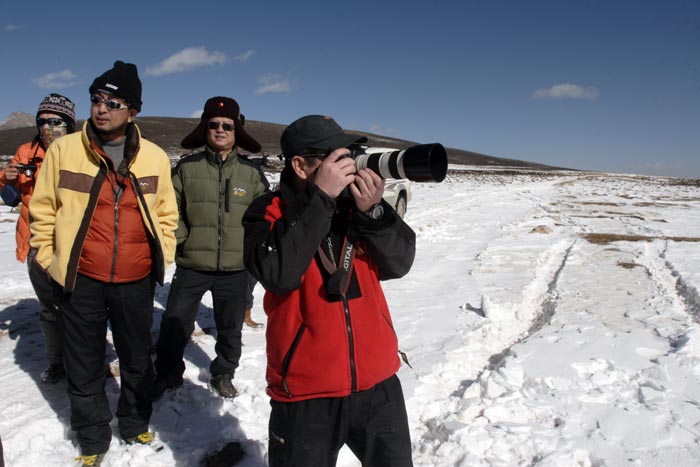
(420, 163)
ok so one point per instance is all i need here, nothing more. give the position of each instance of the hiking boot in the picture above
(93, 460)
(144, 438)
(248, 320)
(163, 384)
(53, 374)
(224, 385)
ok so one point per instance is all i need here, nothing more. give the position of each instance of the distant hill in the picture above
(167, 132)
(17, 120)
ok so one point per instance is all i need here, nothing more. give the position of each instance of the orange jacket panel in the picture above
(28, 153)
(116, 247)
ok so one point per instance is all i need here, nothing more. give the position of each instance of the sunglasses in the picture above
(318, 155)
(225, 126)
(50, 121)
(111, 104)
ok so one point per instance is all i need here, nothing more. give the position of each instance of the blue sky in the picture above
(599, 84)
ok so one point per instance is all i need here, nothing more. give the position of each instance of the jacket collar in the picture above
(131, 145)
(214, 157)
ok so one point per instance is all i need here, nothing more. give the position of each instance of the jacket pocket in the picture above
(388, 323)
(288, 359)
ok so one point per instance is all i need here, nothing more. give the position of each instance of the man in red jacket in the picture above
(54, 118)
(320, 245)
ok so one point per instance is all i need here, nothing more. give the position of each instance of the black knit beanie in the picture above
(122, 81)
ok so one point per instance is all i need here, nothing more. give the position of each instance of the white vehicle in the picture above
(397, 192)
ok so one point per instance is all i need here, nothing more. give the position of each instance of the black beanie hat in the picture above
(122, 81)
(221, 106)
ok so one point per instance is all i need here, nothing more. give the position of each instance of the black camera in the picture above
(28, 169)
(420, 163)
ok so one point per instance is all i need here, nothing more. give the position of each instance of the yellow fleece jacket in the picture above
(66, 193)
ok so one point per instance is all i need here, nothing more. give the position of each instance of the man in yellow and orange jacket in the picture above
(103, 220)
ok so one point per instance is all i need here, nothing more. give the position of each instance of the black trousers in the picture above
(373, 423)
(249, 297)
(48, 312)
(186, 290)
(83, 316)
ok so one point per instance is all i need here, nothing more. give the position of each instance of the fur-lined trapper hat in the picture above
(221, 107)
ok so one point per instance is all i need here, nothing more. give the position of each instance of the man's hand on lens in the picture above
(335, 173)
(367, 189)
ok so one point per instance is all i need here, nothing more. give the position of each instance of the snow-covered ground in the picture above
(550, 319)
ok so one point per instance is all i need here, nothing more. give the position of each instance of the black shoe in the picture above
(53, 374)
(224, 385)
(165, 383)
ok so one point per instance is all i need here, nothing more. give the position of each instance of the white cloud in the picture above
(272, 82)
(10, 28)
(567, 91)
(58, 80)
(380, 130)
(197, 113)
(245, 56)
(187, 59)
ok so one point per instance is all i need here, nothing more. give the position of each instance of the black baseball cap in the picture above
(315, 132)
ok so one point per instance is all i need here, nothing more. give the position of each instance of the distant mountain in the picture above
(17, 120)
(167, 132)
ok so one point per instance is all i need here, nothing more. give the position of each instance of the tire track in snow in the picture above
(671, 284)
(534, 311)
(548, 307)
(512, 415)
(685, 290)
(452, 430)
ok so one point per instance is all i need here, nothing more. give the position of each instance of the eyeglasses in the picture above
(225, 126)
(111, 104)
(50, 121)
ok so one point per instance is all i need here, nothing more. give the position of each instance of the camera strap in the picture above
(33, 161)
(342, 271)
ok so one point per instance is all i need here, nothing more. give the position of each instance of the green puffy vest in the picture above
(212, 196)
